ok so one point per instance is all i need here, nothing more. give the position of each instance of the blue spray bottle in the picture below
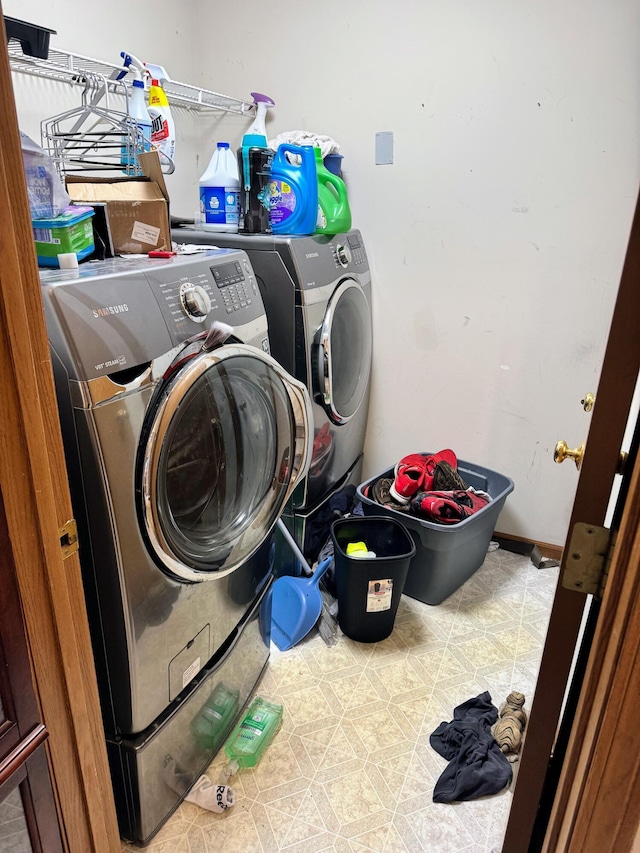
(139, 137)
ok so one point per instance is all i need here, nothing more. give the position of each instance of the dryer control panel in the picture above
(320, 262)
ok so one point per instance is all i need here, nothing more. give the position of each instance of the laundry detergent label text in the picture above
(282, 201)
(220, 205)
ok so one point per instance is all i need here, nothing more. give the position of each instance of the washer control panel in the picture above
(110, 315)
(216, 285)
(236, 283)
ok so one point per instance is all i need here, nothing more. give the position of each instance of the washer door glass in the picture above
(344, 352)
(228, 440)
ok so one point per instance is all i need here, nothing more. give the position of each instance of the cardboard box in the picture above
(132, 212)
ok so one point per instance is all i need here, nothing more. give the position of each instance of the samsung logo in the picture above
(312, 255)
(108, 310)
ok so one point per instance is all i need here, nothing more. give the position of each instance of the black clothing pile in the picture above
(477, 766)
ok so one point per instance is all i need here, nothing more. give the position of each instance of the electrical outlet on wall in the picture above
(384, 148)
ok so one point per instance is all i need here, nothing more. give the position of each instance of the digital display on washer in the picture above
(353, 241)
(226, 274)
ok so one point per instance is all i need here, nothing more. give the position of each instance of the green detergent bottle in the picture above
(334, 214)
(252, 735)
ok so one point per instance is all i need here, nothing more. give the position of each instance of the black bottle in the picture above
(254, 167)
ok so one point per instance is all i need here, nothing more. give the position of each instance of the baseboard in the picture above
(551, 552)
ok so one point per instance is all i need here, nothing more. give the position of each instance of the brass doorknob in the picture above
(587, 403)
(563, 451)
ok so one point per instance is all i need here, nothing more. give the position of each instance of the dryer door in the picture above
(227, 439)
(344, 352)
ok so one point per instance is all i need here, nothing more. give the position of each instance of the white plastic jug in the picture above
(219, 192)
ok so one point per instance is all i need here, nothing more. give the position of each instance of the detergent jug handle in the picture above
(336, 184)
(295, 151)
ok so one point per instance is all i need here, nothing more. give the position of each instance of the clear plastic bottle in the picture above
(138, 112)
(219, 192)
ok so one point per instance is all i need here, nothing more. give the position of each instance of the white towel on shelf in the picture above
(305, 137)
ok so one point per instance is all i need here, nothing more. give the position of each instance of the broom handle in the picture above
(294, 547)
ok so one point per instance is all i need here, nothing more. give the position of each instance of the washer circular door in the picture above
(227, 440)
(344, 352)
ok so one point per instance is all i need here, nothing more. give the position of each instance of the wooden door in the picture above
(597, 802)
(35, 497)
(25, 783)
(542, 752)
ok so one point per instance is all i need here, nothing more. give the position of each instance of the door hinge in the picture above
(69, 538)
(588, 559)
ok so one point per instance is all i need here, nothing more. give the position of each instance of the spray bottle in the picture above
(137, 111)
(163, 129)
(254, 167)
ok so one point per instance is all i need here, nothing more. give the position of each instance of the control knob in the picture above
(343, 253)
(195, 301)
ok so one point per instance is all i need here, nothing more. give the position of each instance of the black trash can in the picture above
(369, 589)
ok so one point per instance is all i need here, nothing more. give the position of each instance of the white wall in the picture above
(498, 235)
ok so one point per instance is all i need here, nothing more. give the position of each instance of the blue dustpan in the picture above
(295, 607)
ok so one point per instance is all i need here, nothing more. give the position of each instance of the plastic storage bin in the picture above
(446, 555)
(369, 588)
(72, 231)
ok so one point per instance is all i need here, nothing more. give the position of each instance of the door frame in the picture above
(600, 465)
(595, 807)
(35, 493)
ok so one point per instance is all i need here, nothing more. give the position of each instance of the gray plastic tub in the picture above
(446, 555)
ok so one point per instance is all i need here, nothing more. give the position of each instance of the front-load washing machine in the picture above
(183, 445)
(317, 296)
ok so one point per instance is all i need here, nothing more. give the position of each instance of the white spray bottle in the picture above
(254, 168)
(137, 110)
(163, 129)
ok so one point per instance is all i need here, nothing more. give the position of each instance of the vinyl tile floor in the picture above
(351, 769)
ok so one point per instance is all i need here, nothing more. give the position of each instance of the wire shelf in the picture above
(74, 68)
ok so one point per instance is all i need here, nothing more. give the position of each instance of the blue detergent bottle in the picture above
(293, 190)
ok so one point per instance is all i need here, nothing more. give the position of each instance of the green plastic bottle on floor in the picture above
(334, 213)
(252, 735)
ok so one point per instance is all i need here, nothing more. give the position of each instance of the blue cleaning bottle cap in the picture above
(254, 140)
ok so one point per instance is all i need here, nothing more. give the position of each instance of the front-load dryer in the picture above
(183, 444)
(317, 296)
